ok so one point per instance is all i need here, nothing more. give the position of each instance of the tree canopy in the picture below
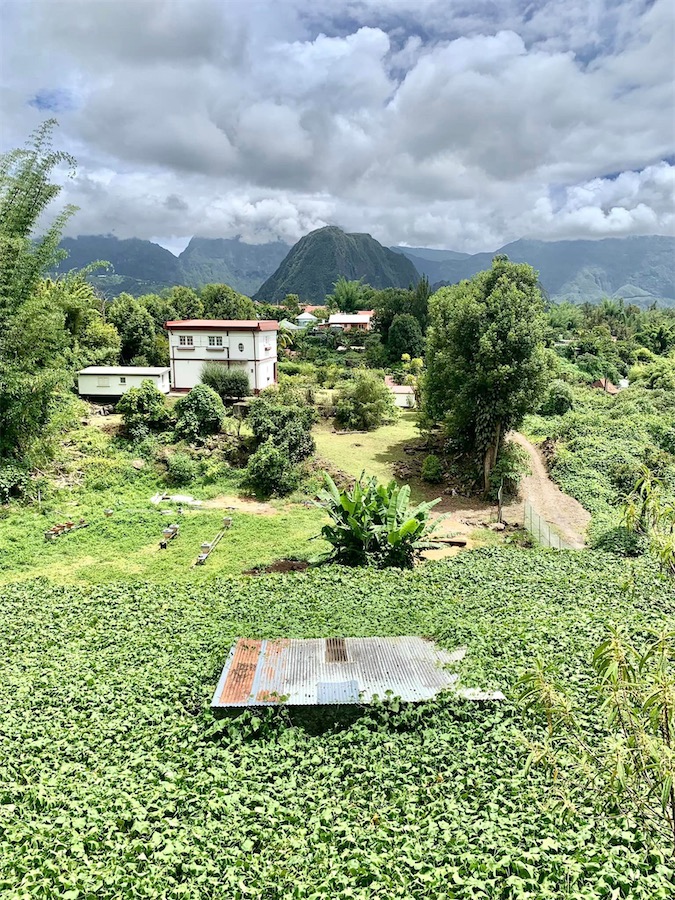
(485, 356)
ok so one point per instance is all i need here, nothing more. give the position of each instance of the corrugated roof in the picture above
(322, 671)
(124, 370)
(229, 324)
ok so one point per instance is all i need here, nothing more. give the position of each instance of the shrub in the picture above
(559, 399)
(621, 541)
(431, 469)
(181, 469)
(512, 463)
(271, 471)
(373, 525)
(283, 418)
(365, 403)
(227, 383)
(199, 413)
(13, 482)
(143, 410)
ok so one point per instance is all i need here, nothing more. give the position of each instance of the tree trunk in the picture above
(491, 457)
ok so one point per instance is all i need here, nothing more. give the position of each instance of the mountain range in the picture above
(639, 269)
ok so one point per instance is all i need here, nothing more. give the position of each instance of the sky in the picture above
(462, 124)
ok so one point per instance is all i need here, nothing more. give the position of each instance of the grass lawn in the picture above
(375, 451)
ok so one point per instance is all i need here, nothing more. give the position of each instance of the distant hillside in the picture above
(639, 269)
(230, 261)
(141, 267)
(316, 262)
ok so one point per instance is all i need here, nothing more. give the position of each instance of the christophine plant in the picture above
(372, 524)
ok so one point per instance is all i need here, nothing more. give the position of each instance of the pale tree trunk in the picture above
(490, 458)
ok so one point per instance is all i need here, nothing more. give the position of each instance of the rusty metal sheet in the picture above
(323, 671)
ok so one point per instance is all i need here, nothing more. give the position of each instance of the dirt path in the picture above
(566, 515)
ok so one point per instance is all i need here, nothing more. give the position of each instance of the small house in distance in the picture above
(606, 385)
(404, 394)
(113, 381)
(306, 319)
(359, 321)
(247, 345)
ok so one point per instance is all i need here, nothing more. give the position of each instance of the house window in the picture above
(215, 341)
(123, 379)
(185, 340)
(102, 381)
(241, 348)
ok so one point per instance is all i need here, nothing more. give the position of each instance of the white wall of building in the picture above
(116, 382)
(253, 351)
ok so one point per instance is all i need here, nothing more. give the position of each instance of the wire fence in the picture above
(541, 531)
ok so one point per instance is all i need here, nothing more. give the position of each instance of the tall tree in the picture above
(26, 189)
(405, 336)
(223, 302)
(485, 356)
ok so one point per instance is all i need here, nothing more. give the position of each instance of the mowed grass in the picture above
(375, 452)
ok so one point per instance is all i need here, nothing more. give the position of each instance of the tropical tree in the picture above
(136, 329)
(348, 296)
(26, 189)
(223, 302)
(365, 402)
(485, 357)
(405, 337)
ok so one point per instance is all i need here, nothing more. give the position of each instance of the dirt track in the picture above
(566, 515)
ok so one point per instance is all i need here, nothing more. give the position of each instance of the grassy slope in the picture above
(116, 783)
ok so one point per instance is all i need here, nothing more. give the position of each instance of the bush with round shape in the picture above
(181, 469)
(365, 403)
(431, 469)
(143, 410)
(271, 471)
(230, 384)
(558, 400)
(199, 413)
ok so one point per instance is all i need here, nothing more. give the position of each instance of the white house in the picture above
(249, 345)
(404, 394)
(113, 381)
(360, 321)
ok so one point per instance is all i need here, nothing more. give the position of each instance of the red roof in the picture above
(224, 324)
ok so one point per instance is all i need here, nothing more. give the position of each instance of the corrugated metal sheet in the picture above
(335, 671)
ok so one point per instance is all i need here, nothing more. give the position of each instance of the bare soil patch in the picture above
(281, 565)
(240, 504)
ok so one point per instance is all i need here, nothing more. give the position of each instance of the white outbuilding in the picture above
(113, 381)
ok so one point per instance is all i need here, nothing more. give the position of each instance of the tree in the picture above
(485, 357)
(405, 336)
(348, 296)
(25, 192)
(199, 413)
(365, 403)
(135, 326)
(223, 302)
(285, 420)
(186, 302)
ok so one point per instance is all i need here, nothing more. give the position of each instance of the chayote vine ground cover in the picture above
(115, 781)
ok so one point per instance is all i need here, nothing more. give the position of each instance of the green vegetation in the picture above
(432, 469)
(365, 403)
(199, 413)
(229, 384)
(486, 366)
(118, 783)
(372, 524)
(405, 336)
(143, 409)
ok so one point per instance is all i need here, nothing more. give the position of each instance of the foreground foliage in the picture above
(117, 782)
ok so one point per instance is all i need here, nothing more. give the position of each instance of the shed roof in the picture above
(124, 370)
(327, 671)
(223, 324)
(350, 318)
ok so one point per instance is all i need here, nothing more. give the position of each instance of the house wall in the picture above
(255, 352)
(404, 401)
(117, 384)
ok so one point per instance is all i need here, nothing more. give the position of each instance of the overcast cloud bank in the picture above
(423, 122)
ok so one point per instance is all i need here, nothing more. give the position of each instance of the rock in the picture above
(84, 421)
(138, 463)
(498, 526)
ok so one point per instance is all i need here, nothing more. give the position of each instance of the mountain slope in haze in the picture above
(142, 267)
(230, 261)
(639, 269)
(315, 263)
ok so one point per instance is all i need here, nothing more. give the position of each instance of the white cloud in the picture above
(419, 121)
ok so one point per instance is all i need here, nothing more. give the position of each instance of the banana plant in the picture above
(372, 524)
